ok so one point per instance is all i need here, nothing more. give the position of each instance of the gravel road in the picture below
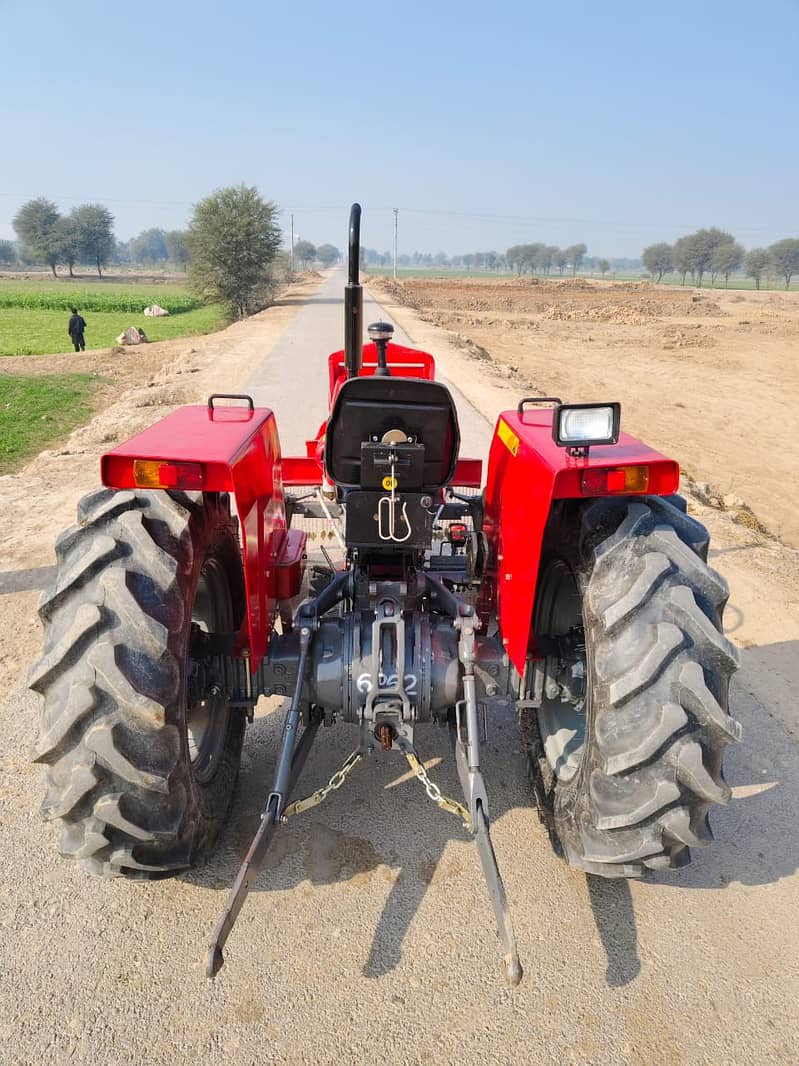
(369, 937)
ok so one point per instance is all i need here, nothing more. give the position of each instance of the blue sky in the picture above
(615, 123)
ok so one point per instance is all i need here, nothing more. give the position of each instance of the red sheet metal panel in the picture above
(526, 471)
(403, 363)
(239, 452)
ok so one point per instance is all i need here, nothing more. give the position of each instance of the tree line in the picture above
(715, 252)
(520, 258)
(306, 253)
(231, 247)
(46, 236)
(85, 235)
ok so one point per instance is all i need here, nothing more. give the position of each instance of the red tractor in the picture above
(574, 587)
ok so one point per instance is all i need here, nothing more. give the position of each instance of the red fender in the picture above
(527, 470)
(225, 449)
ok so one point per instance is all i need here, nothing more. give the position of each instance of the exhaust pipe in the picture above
(353, 299)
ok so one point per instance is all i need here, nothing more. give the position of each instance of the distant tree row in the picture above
(84, 235)
(521, 258)
(543, 258)
(713, 251)
(306, 253)
(153, 246)
(231, 245)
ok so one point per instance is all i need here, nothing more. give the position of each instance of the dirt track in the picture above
(371, 939)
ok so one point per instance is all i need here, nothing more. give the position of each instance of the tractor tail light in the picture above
(614, 479)
(156, 474)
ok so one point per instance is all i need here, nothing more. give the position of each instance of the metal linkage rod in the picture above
(292, 756)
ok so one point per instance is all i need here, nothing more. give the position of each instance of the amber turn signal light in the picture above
(156, 474)
(614, 479)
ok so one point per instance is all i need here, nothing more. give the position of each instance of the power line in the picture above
(476, 216)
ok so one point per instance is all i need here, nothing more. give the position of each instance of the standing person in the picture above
(77, 324)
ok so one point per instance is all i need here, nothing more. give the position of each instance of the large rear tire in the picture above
(142, 749)
(628, 762)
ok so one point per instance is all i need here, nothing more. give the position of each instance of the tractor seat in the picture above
(374, 410)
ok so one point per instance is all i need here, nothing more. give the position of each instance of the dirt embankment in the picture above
(140, 386)
(708, 376)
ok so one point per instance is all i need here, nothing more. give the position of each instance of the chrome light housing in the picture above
(579, 425)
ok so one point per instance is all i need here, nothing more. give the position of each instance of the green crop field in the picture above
(36, 411)
(34, 315)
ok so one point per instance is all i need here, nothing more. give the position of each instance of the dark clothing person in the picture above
(77, 324)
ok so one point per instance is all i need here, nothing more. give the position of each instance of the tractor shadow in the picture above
(756, 833)
(381, 827)
(378, 830)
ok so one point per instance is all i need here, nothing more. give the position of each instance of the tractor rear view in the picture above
(573, 587)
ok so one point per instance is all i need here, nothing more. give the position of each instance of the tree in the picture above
(561, 259)
(8, 253)
(121, 252)
(683, 256)
(36, 225)
(515, 258)
(756, 264)
(727, 257)
(68, 242)
(177, 251)
(233, 239)
(658, 260)
(328, 254)
(574, 256)
(95, 225)
(696, 251)
(149, 247)
(785, 258)
(305, 253)
(604, 266)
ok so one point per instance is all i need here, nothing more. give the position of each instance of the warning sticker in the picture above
(508, 437)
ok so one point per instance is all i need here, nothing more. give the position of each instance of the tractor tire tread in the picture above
(652, 766)
(110, 677)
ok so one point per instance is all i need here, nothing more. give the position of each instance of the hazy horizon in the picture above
(617, 126)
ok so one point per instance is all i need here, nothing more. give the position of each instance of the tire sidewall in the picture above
(212, 535)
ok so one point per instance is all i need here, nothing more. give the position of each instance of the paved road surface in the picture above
(292, 379)
(369, 938)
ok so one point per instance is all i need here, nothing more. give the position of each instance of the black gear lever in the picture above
(381, 333)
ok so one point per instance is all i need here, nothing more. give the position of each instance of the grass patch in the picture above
(131, 298)
(35, 411)
(34, 314)
(40, 332)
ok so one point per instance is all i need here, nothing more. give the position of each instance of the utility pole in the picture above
(291, 253)
(396, 213)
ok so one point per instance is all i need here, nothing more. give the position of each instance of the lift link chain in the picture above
(336, 781)
(340, 776)
(435, 793)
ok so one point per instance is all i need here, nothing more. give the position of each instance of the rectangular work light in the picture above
(580, 425)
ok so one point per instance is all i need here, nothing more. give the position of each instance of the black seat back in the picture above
(367, 408)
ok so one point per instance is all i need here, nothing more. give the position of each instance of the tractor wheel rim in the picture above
(207, 717)
(562, 725)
